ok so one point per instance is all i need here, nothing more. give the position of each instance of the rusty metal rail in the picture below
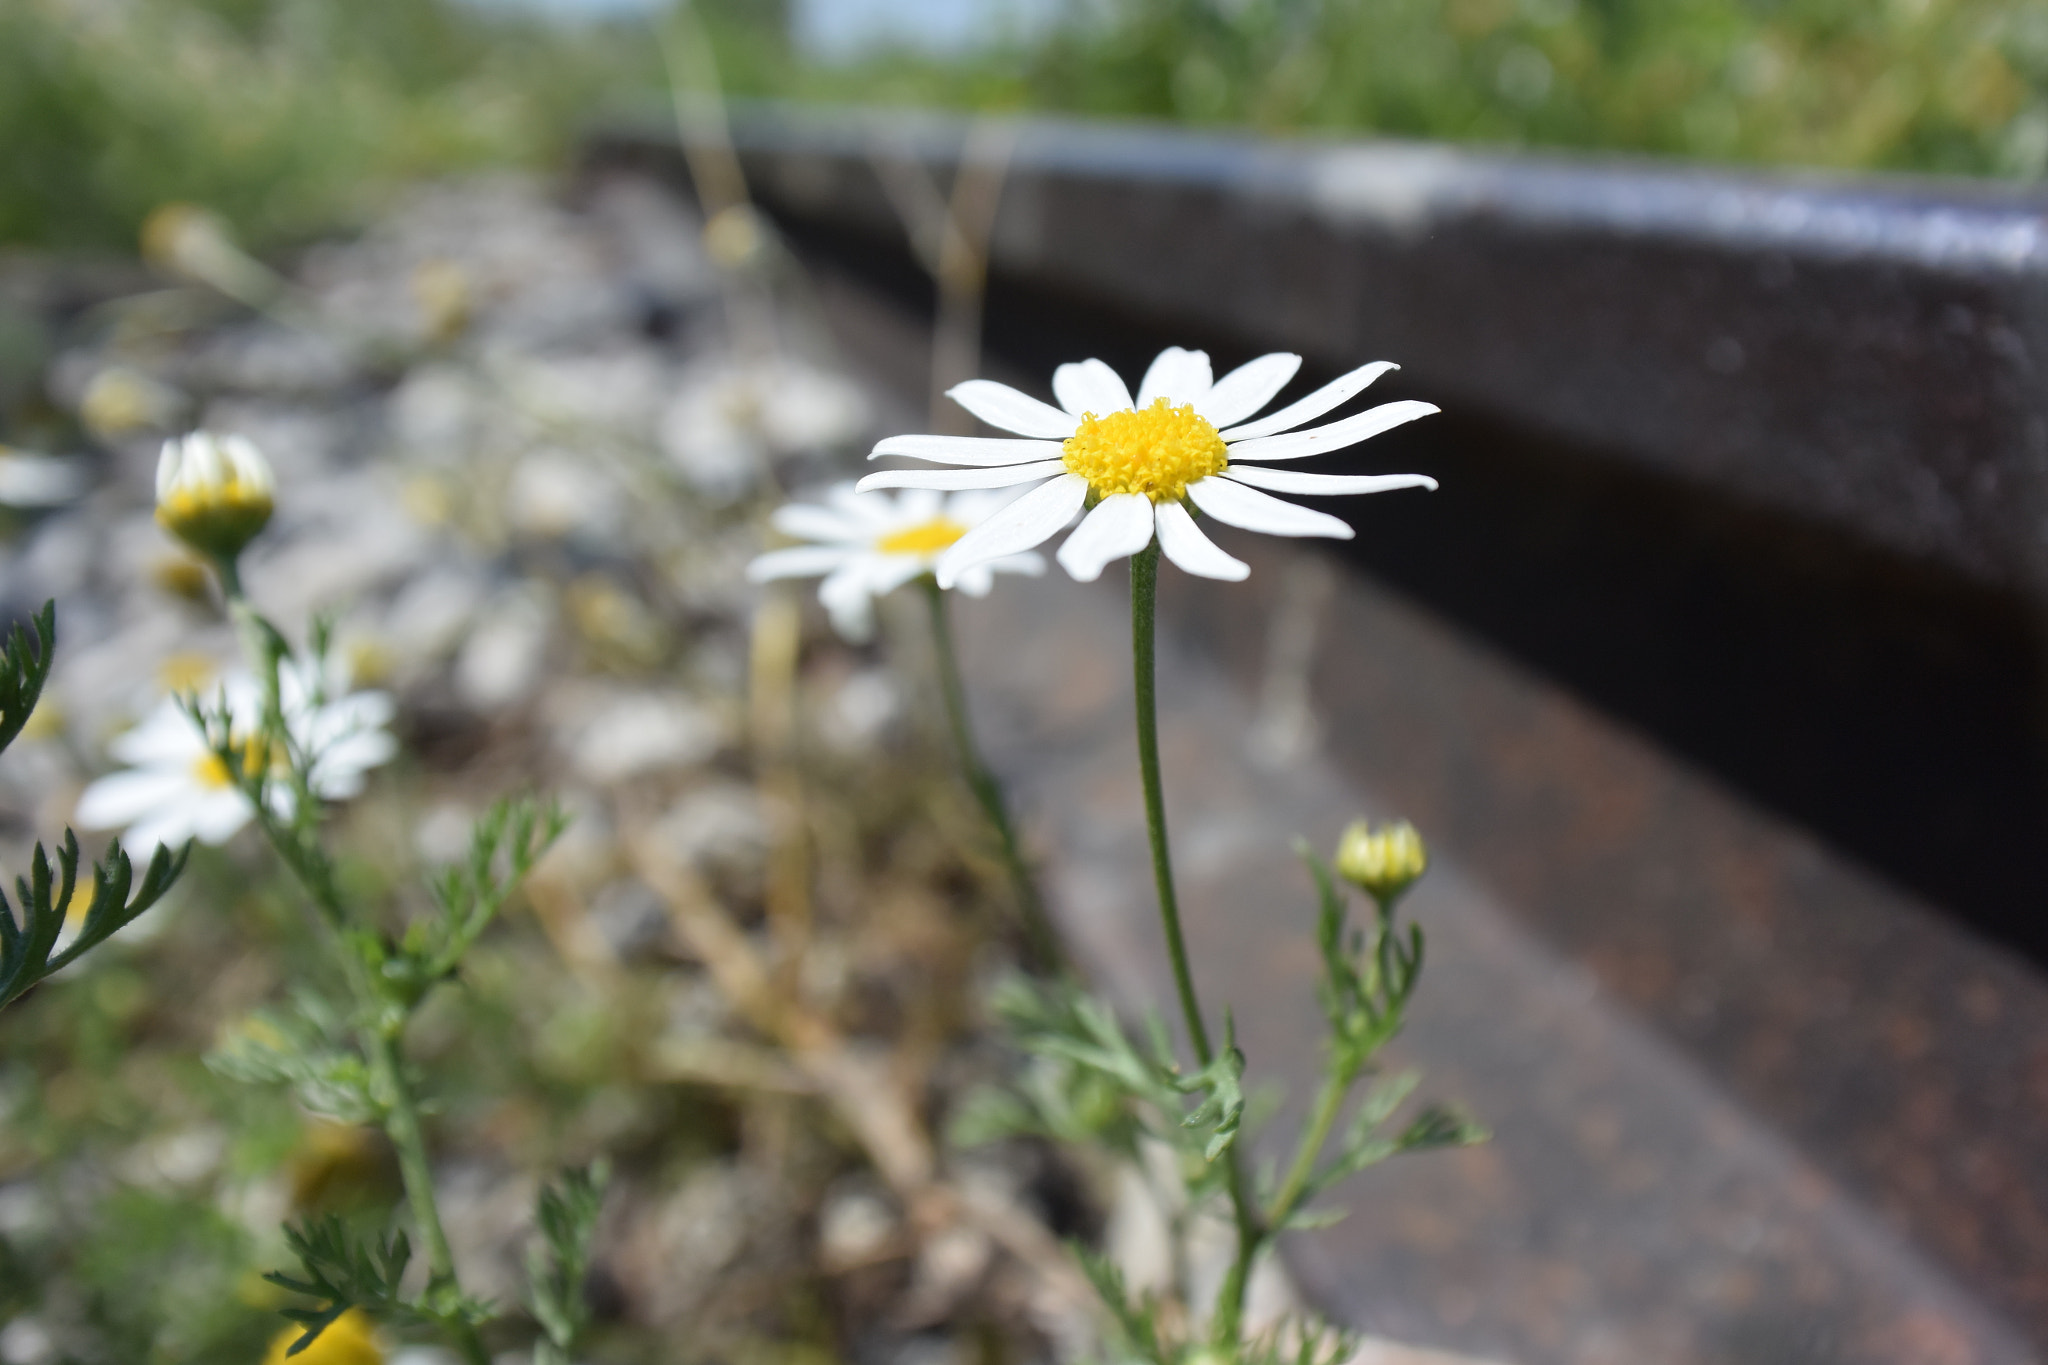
(1757, 463)
(1743, 539)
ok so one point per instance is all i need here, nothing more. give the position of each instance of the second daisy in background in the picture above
(867, 545)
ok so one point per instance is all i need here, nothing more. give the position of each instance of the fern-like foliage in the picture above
(343, 1270)
(503, 848)
(47, 896)
(28, 938)
(557, 1267)
(24, 668)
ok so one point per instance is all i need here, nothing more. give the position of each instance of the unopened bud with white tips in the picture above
(214, 492)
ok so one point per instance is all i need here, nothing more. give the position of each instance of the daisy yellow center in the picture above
(209, 771)
(925, 538)
(219, 518)
(1157, 451)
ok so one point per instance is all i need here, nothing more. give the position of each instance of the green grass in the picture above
(288, 116)
(1930, 85)
(295, 116)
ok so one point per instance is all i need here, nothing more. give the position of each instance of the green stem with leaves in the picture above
(1228, 1320)
(988, 791)
(380, 1021)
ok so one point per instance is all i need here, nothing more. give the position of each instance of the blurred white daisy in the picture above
(728, 421)
(1137, 464)
(869, 544)
(30, 480)
(176, 788)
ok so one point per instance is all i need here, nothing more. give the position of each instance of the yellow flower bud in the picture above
(213, 492)
(1384, 861)
(350, 1339)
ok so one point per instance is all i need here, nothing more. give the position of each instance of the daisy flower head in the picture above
(215, 493)
(869, 544)
(1135, 465)
(175, 787)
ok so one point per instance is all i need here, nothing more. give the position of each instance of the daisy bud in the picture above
(1384, 862)
(213, 492)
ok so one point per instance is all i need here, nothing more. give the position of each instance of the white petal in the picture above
(1235, 505)
(360, 711)
(165, 736)
(890, 572)
(975, 580)
(1177, 376)
(1120, 525)
(1323, 485)
(799, 561)
(1090, 386)
(865, 509)
(808, 521)
(967, 450)
(167, 827)
(999, 405)
(1030, 563)
(972, 506)
(849, 603)
(1186, 546)
(1360, 426)
(1315, 405)
(216, 816)
(1023, 525)
(916, 506)
(118, 798)
(1248, 388)
(963, 478)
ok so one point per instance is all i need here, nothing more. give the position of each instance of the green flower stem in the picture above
(402, 1123)
(1144, 613)
(1329, 1104)
(1044, 939)
(380, 1022)
(1251, 1233)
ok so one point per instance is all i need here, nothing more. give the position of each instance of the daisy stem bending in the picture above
(1229, 1315)
(1038, 929)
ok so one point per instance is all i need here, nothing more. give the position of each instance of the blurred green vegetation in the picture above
(288, 116)
(1928, 85)
(294, 116)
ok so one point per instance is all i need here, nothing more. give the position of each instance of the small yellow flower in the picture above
(350, 1339)
(119, 401)
(341, 1166)
(734, 237)
(213, 492)
(183, 577)
(1384, 861)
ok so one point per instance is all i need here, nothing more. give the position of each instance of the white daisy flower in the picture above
(869, 544)
(1184, 439)
(176, 788)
